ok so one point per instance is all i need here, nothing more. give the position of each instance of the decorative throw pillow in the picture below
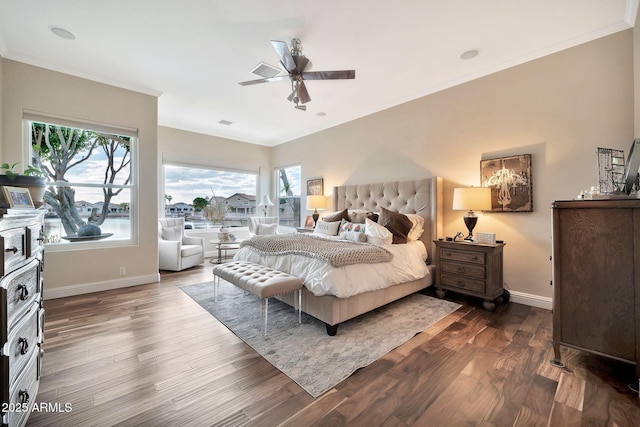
(354, 236)
(377, 234)
(358, 215)
(351, 226)
(398, 224)
(337, 216)
(327, 228)
(172, 233)
(266, 229)
(417, 229)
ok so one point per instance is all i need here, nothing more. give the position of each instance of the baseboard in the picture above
(531, 300)
(87, 288)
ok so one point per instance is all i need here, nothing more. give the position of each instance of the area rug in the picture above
(304, 352)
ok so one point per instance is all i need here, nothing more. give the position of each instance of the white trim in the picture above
(55, 119)
(87, 288)
(531, 300)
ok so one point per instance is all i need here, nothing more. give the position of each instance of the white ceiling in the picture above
(192, 53)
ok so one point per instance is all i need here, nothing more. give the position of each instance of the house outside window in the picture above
(89, 171)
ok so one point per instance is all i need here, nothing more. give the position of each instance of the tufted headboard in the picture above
(422, 197)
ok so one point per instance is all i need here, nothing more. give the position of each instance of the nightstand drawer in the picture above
(464, 256)
(462, 282)
(469, 270)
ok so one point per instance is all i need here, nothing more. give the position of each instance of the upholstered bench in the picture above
(264, 282)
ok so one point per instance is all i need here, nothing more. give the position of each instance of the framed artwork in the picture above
(315, 187)
(308, 222)
(18, 197)
(510, 182)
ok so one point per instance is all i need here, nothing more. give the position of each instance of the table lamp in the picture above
(315, 203)
(470, 199)
(266, 202)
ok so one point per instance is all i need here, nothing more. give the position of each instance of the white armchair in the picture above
(177, 251)
(263, 225)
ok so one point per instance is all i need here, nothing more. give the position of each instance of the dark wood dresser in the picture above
(21, 312)
(596, 278)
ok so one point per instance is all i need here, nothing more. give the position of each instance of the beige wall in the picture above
(559, 109)
(25, 87)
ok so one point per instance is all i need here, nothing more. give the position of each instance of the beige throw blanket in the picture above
(336, 252)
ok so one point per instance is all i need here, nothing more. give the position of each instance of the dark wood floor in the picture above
(150, 356)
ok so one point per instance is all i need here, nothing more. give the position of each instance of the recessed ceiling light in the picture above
(62, 33)
(470, 54)
(321, 114)
(225, 122)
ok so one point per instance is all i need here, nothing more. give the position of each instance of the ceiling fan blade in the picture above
(269, 80)
(329, 75)
(301, 62)
(302, 93)
(285, 55)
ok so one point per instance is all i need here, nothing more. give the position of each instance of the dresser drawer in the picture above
(34, 239)
(461, 255)
(23, 340)
(13, 249)
(471, 270)
(22, 394)
(462, 282)
(18, 291)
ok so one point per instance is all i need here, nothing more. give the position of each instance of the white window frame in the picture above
(134, 211)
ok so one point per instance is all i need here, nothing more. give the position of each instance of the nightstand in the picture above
(305, 229)
(471, 269)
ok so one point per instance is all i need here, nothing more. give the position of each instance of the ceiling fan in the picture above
(294, 62)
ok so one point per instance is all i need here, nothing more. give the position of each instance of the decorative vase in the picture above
(223, 234)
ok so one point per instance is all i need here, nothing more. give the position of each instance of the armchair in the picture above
(263, 225)
(175, 250)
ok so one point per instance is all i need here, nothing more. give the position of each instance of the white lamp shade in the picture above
(266, 201)
(472, 199)
(316, 202)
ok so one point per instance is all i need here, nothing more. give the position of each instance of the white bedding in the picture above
(321, 278)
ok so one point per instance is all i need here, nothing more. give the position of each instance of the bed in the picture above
(421, 197)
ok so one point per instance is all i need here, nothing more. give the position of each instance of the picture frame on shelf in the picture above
(510, 181)
(18, 197)
(315, 187)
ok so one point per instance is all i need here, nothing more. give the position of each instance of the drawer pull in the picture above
(24, 345)
(460, 283)
(23, 397)
(13, 249)
(460, 269)
(24, 292)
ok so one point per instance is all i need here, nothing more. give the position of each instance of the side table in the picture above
(223, 246)
(471, 269)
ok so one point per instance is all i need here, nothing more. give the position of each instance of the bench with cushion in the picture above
(264, 282)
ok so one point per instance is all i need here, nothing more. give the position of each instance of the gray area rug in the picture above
(304, 352)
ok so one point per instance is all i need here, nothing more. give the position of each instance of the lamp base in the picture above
(315, 217)
(470, 220)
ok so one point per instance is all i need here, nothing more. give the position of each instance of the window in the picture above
(89, 174)
(289, 186)
(209, 197)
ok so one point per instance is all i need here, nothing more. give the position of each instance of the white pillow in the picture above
(377, 234)
(327, 228)
(417, 229)
(267, 229)
(172, 233)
